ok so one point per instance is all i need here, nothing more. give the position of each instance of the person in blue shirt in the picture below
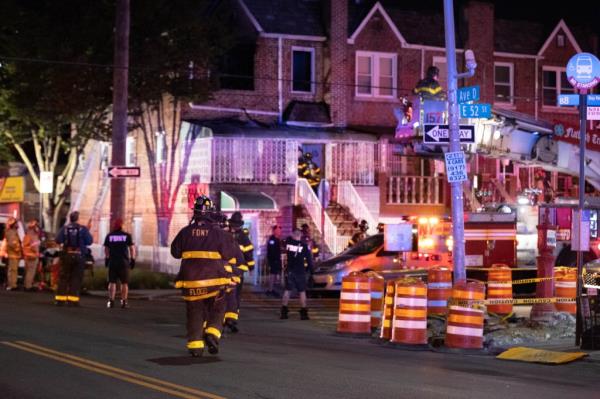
(75, 239)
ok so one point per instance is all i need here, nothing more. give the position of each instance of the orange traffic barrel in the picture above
(377, 287)
(355, 305)
(409, 324)
(464, 327)
(500, 287)
(439, 289)
(566, 287)
(388, 309)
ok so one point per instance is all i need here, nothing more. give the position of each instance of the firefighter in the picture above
(298, 255)
(245, 262)
(205, 251)
(429, 88)
(119, 255)
(380, 228)
(75, 239)
(314, 172)
(303, 171)
(363, 226)
(310, 243)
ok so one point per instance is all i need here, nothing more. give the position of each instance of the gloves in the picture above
(106, 261)
(132, 263)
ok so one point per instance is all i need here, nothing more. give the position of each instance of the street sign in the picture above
(475, 110)
(469, 93)
(46, 182)
(568, 100)
(440, 134)
(593, 100)
(123, 171)
(456, 167)
(593, 113)
(583, 71)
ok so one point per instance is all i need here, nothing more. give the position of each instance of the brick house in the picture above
(329, 77)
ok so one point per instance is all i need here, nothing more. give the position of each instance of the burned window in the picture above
(236, 71)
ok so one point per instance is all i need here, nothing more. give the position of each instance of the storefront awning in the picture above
(236, 201)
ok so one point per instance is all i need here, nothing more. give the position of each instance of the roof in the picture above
(307, 112)
(293, 17)
(531, 43)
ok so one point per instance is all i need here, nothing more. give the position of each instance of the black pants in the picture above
(234, 298)
(70, 277)
(204, 317)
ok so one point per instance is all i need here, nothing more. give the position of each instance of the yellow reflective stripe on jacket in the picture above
(195, 345)
(315, 250)
(213, 331)
(200, 297)
(236, 279)
(243, 268)
(60, 298)
(228, 268)
(251, 263)
(231, 315)
(202, 283)
(428, 89)
(73, 298)
(232, 261)
(247, 248)
(200, 255)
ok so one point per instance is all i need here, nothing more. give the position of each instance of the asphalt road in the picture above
(94, 352)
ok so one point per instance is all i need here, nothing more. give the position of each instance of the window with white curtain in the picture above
(376, 74)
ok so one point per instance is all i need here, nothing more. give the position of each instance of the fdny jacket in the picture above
(297, 254)
(247, 249)
(206, 253)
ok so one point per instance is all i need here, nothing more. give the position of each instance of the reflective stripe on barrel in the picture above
(388, 308)
(377, 286)
(500, 287)
(566, 287)
(355, 305)
(409, 325)
(464, 328)
(439, 289)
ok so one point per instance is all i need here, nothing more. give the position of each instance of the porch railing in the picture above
(415, 190)
(306, 196)
(349, 197)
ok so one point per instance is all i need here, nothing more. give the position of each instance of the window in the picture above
(161, 147)
(376, 74)
(130, 155)
(554, 83)
(303, 69)
(237, 67)
(503, 82)
(560, 40)
(440, 63)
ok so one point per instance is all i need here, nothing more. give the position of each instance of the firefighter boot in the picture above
(110, 303)
(304, 314)
(213, 344)
(284, 313)
(232, 325)
(195, 352)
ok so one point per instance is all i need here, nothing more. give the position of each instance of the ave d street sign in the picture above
(440, 134)
(473, 111)
(123, 171)
(469, 93)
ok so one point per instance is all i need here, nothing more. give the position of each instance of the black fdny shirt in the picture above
(297, 252)
(274, 252)
(118, 243)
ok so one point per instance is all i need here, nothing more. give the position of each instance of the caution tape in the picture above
(522, 281)
(523, 301)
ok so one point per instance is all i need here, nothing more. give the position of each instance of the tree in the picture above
(177, 52)
(55, 79)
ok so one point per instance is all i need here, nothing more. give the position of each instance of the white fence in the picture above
(415, 190)
(348, 197)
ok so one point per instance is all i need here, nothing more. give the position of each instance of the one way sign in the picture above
(440, 134)
(123, 171)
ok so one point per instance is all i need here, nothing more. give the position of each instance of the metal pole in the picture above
(582, 134)
(119, 128)
(458, 225)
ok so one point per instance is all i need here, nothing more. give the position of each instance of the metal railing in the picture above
(306, 196)
(349, 197)
(415, 190)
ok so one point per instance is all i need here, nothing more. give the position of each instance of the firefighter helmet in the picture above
(236, 220)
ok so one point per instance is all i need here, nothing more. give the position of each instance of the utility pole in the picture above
(120, 94)
(458, 222)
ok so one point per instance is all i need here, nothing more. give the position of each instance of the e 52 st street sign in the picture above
(440, 134)
(475, 110)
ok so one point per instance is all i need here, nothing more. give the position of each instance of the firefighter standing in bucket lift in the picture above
(204, 249)
(246, 264)
(75, 239)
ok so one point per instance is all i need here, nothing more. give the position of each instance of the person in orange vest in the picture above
(31, 252)
(14, 252)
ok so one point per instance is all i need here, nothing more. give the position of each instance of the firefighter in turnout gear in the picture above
(75, 239)
(299, 261)
(308, 240)
(360, 235)
(303, 171)
(206, 252)
(429, 88)
(245, 263)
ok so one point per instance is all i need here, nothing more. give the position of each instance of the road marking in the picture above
(124, 375)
